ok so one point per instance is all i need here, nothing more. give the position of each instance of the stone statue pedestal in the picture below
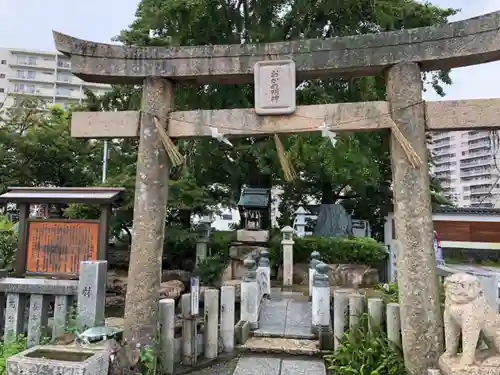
(252, 236)
(487, 363)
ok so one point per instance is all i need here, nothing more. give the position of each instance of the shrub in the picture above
(332, 250)
(389, 292)
(9, 349)
(210, 269)
(8, 243)
(365, 351)
(180, 245)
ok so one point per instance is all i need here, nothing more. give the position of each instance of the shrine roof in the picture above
(255, 198)
(89, 195)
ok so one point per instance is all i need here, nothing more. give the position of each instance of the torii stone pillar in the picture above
(421, 318)
(149, 212)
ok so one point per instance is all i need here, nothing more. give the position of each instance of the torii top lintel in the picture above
(462, 43)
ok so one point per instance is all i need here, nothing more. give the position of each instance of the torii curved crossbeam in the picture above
(462, 43)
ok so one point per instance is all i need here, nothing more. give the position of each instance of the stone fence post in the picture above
(312, 270)
(264, 275)
(92, 294)
(287, 244)
(211, 331)
(250, 295)
(320, 297)
(201, 249)
(227, 310)
(167, 340)
(321, 305)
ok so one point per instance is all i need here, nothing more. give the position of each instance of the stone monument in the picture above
(468, 314)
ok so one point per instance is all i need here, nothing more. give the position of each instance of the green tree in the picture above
(36, 148)
(358, 166)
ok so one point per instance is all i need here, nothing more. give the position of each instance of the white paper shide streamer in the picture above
(219, 136)
(326, 133)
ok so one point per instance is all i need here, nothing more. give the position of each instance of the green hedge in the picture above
(332, 250)
(180, 244)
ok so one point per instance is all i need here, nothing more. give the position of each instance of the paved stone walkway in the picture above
(286, 318)
(262, 365)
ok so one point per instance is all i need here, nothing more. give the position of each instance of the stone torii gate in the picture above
(400, 55)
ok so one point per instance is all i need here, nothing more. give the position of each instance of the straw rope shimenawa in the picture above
(177, 159)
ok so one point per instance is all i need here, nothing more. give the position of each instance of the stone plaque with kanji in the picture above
(274, 87)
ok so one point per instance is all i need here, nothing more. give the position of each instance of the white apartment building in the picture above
(39, 73)
(468, 165)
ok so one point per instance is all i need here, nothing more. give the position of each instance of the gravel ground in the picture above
(224, 368)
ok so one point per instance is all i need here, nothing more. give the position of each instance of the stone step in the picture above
(271, 345)
(269, 365)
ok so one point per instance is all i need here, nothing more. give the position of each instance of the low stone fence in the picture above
(215, 330)
(202, 335)
(25, 304)
(344, 309)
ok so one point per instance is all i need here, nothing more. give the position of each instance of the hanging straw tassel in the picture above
(411, 154)
(173, 154)
(290, 174)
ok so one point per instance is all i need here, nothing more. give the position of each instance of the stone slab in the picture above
(272, 319)
(275, 345)
(22, 363)
(248, 236)
(298, 319)
(257, 365)
(39, 286)
(303, 367)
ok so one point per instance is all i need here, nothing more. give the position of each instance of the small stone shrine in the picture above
(54, 246)
(467, 315)
(255, 212)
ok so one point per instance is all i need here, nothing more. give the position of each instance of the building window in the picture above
(31, 60)
(63, 63)
(22, 88)
(4, 62)
(63, 91)
(20, 74)
(2, 75)
(64, 77)
(31, 74)
(19, 87)
(2, 89)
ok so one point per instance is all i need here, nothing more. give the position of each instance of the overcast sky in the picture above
(29, 24)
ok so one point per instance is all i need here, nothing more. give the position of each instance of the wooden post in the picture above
(141, 309)
(421, 319)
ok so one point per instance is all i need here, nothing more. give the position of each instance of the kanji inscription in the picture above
(58, 247)
(275, 87)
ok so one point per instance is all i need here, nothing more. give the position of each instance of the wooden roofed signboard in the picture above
(54, 246)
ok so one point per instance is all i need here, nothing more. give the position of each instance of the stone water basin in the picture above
(58, 360)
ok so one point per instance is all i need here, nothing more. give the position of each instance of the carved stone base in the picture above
(252, 236)
(487, 363)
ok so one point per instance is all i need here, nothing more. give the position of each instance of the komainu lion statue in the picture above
(467, 311)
